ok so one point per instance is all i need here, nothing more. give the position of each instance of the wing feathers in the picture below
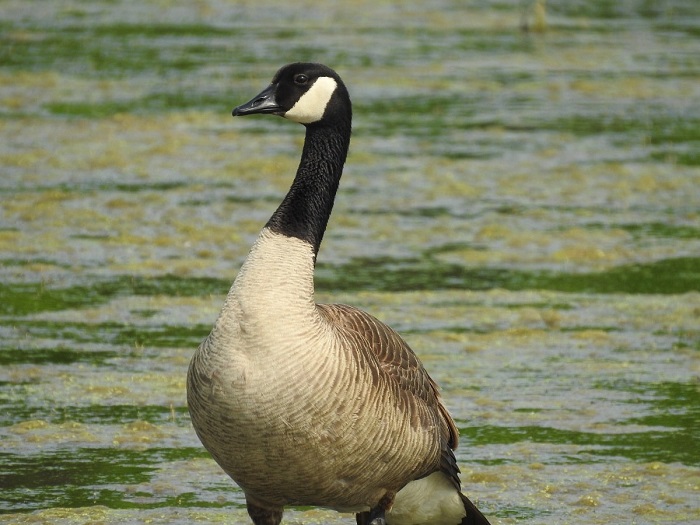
(381, 343)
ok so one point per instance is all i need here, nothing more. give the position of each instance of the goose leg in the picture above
(263, 516)
(376, 515)
(373, 517)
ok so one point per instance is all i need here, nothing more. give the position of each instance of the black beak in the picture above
(264, 102)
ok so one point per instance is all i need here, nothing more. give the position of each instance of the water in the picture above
(522, 205)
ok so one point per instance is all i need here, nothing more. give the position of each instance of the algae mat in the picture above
(521, 202)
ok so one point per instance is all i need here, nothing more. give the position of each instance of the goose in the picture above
(319, 404)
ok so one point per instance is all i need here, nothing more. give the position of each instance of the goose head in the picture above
(303, 92)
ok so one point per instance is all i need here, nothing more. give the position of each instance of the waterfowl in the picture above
(319, 404)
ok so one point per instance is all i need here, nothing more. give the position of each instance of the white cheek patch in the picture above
(312, 104)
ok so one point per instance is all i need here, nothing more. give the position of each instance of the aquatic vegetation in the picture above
(523, 206)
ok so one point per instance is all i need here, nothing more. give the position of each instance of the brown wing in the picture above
(395, 357)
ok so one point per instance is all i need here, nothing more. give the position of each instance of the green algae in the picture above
(668, 446)
(100, 332)
(152, 103)
(111, 414)
(671, 276)
(26, 298)
(656, 130)
(674, 418)
(662, 277)
(56, 479)
(108, 50)
(657, 229)
(572, 377)
(60, 355)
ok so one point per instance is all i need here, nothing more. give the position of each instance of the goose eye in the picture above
(301, 79)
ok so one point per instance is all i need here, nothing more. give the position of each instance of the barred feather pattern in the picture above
(284, 390)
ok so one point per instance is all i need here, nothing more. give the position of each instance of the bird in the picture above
(319, 404)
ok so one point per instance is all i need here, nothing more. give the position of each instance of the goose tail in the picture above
(433, 500)
(474, 515)
(436, 499)
(448, 465)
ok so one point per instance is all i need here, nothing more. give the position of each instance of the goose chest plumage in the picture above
(319, 404)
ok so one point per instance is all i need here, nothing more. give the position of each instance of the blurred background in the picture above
(520, 201)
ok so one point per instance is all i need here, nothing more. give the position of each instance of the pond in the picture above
(521, 202)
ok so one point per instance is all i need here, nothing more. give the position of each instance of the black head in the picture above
(307, 93)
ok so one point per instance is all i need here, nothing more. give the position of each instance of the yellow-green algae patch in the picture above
(483, 155)
(41, 432)
(102, 515)
(571, 246)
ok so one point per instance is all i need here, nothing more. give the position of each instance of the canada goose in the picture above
(319, 404)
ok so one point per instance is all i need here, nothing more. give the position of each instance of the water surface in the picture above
(522, 205)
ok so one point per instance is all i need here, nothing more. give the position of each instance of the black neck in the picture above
(305, 210)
